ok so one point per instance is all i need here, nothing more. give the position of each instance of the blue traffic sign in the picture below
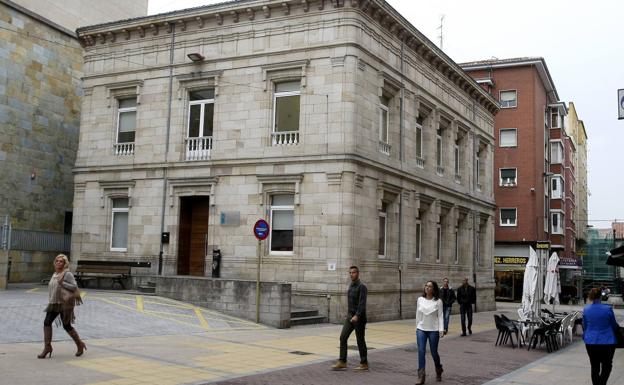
(261, 229)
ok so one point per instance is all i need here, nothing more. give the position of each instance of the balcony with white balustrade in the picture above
(198, 148)
(123, 149)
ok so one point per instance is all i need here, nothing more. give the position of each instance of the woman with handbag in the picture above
(599, 333)
(63, 295)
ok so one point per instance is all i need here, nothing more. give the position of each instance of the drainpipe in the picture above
(401, 129)
(475, 220)
(164, 169)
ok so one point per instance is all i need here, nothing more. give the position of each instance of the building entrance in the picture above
(509, 285)
(193, 235)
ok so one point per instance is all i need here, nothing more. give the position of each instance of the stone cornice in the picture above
(250, 10)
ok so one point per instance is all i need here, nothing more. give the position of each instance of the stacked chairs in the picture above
(565, 331)
(506, 331)
(516, 328)
(547, 333)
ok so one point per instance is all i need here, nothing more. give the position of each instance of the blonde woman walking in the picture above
(61, 304)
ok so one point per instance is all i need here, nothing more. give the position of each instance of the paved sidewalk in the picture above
(566, 367)
(466, 360)
(135, 340)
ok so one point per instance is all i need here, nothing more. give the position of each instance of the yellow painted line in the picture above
(201, 319)
(115, 303)
(32, 290)
(170, 305)
(139, 303)
(169, 314)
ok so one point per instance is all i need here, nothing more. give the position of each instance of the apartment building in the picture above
(355, 137)
(534, 168)
(577, 132)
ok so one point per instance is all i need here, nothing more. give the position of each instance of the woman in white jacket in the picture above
(429, 326)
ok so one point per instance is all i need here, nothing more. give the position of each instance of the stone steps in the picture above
(305, 317)
(148, 288)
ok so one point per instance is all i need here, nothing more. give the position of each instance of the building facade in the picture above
(72, 14)
(578, 134)
(533, 167)
(356, 138)
(40, 99)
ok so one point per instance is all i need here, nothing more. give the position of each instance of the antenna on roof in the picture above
(441, 35)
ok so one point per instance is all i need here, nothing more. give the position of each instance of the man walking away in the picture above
(448, 298)
(466, 297)
(356, 319)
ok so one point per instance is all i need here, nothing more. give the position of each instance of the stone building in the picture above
(338, 122)
(40, 90)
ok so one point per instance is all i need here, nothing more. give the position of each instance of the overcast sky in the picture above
(577, 38)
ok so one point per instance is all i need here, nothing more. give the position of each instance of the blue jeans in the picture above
(447, 317)
(421, 338)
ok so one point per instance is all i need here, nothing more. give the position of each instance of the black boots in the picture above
(421, 377)
(439, 371)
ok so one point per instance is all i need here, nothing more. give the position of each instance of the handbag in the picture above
(70, 298)
(619, 336)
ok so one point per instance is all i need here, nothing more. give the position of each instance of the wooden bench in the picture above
(115, 270)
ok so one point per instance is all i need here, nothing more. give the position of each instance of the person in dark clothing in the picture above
(356, 320)
(466, 297)
(447, 295)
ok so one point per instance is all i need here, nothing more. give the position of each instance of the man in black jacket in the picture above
(356, 319)
(466, 297)
(447, 295)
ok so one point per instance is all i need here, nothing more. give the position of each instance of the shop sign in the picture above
(542, 245)
(570, 262)
(511, 260)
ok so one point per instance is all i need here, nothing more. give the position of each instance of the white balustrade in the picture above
(420, 162)
(285, 138)
(384, 148)
(123, 149)
(440, 170)
(458, 178)
(198, 148)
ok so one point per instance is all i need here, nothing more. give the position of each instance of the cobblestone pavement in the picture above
(466, 360)
(134, 339)
(109, 314)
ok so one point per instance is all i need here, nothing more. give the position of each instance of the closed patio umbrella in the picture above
(552, 287)
(529, 286)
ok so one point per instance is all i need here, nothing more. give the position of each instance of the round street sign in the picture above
(261, 229)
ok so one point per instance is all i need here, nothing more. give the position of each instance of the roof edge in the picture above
(40, 18)
(538, 62)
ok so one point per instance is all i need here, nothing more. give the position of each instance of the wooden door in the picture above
(193, 235)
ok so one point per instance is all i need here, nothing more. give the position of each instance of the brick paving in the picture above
(466, 360)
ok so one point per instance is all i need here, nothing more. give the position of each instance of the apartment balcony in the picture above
(384, 148)
(285, 138)
(198, 148)
(123, 149)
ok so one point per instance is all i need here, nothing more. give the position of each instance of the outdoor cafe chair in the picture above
(516, 328)
(505, 331)
(547, 333)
